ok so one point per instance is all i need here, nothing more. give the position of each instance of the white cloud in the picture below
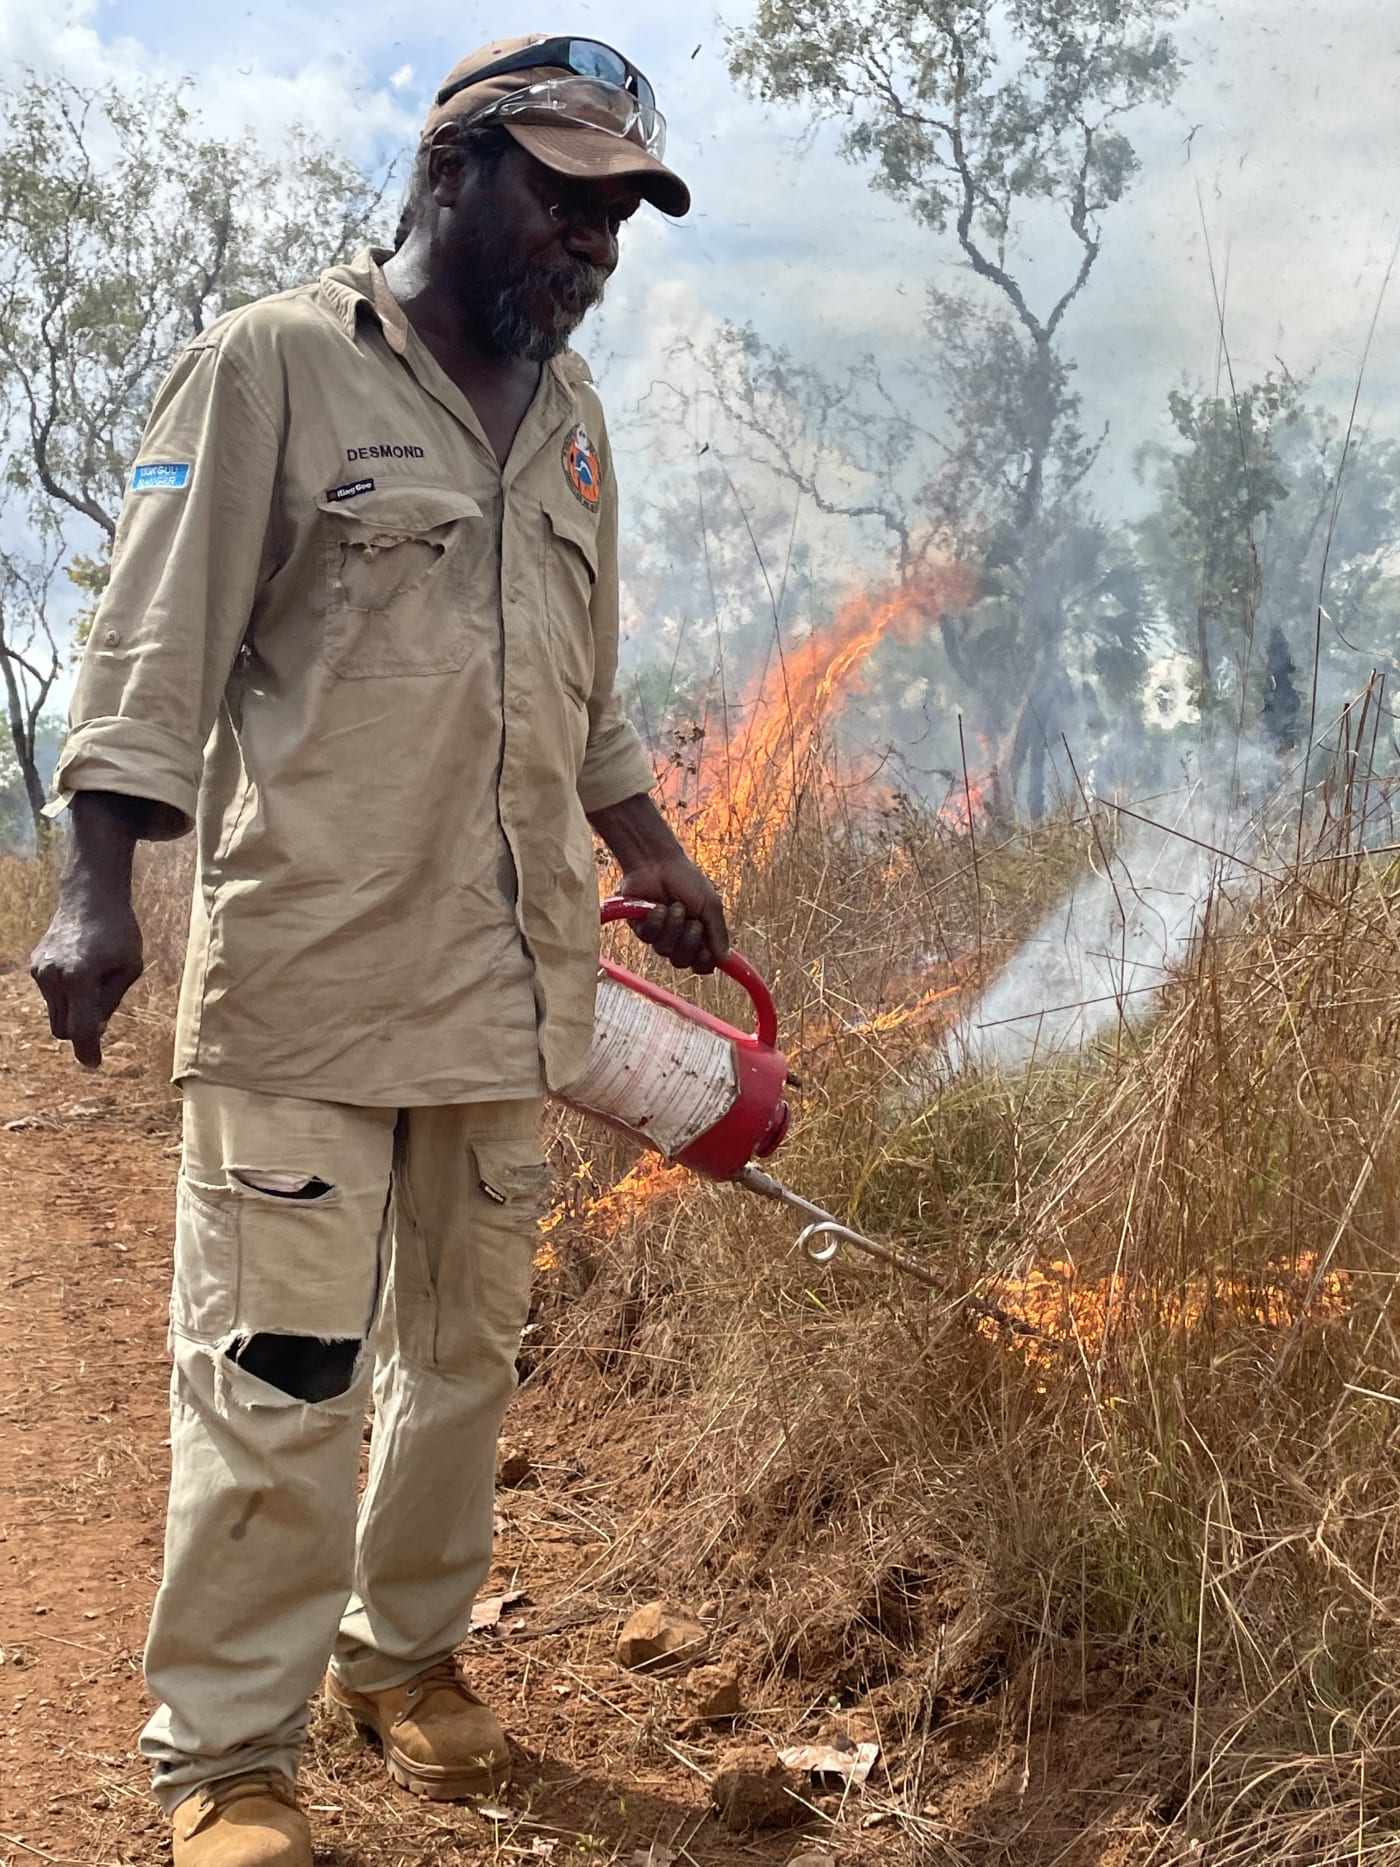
(1288, 108)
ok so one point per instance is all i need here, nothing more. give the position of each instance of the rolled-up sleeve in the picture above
(186, 567)
(615, 764)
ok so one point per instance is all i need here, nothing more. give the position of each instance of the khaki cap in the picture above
(568, 149)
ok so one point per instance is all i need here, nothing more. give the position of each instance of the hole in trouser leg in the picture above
(280, 1185)
(299, 1366)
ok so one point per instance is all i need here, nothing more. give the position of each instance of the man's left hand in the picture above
(687, 926)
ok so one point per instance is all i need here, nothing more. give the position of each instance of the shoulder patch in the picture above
(582, 468)
(170, 476)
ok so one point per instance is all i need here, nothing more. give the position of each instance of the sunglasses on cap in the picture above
(586, 58)
(582, 104)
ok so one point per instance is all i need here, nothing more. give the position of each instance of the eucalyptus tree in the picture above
(125, 229)
(1000, 125)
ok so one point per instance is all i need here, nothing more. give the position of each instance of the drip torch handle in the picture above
(734, 966)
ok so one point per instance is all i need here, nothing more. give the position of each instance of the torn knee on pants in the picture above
(299, 1366)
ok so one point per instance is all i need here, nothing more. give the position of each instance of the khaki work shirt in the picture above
(378, 670)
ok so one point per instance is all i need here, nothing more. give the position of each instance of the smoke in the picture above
(1095, 964)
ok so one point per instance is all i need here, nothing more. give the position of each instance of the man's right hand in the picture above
(85, 965)
(91, 955)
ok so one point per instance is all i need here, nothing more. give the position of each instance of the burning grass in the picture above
(1138, 1562)
(1117, 1587)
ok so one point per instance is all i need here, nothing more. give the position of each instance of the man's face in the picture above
(529, 252)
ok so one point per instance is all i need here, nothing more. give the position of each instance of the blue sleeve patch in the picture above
(170, 476)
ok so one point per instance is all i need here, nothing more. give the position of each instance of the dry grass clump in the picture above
(1180, 1514)
(28, 891)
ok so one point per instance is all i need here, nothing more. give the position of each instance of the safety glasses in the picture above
(584, 104)
(586, 58)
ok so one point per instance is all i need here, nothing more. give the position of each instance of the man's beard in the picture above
(536, 314)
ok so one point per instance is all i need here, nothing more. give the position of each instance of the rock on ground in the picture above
(712, 1694)
(753, 1790)
(661, 1640)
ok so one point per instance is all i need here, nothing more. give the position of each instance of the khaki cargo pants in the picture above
(405, 1238)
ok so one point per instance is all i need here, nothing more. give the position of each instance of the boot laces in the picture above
(214, 1799)
(442, 1676)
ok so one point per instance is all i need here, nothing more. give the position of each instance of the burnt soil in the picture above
(609, 1766)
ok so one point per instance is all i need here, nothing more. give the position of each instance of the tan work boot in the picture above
(248, 1821)
(439, 1739)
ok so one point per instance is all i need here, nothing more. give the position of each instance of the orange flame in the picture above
(966, 805)
(764, 769)
(1056, 1301)
(735, 809)
(602, 1217)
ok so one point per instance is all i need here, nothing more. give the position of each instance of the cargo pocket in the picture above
(483, 1283)
(570, 572)
(248, 1262)
(396, 565)
(204, 1290)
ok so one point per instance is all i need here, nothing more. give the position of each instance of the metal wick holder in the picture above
(829, 1230)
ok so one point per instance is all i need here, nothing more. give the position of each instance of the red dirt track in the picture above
(87, 1166)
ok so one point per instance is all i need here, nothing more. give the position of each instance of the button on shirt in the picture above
(378, 671)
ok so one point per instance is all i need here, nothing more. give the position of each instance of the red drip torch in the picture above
(700, 1091)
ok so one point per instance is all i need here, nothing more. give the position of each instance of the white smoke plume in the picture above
(1097, 961)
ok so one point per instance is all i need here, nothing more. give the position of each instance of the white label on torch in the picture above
(654, 1070)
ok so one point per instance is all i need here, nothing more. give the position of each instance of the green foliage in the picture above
(90, 575)
(1012, 415)
(1247, 516)
(1218, 490)
(125, 229)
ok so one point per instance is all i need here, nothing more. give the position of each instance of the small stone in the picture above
(752, 1790)
(713, 1694)
(514, 1470)
(661, 1641)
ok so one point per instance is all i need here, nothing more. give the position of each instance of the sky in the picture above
(1282, 139)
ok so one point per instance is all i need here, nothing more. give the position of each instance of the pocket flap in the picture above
(580, 528)
(511, 1172)
(400, 509)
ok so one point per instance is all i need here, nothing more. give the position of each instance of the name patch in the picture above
(351, 489)
(384, 450)
(170, 476)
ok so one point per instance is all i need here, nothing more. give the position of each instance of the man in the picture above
(369, 556)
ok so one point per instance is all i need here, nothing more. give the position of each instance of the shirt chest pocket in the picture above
(570, 572)
(397, 570)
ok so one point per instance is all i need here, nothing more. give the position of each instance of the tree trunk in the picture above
(22, 736)
(1040, 430)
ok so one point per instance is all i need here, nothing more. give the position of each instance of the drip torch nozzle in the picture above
(827, 1228)
(832, 1235)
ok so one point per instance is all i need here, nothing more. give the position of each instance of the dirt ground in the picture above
(86, 1210)
(610, 1766)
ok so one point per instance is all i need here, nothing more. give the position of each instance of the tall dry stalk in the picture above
(1184, 1506)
